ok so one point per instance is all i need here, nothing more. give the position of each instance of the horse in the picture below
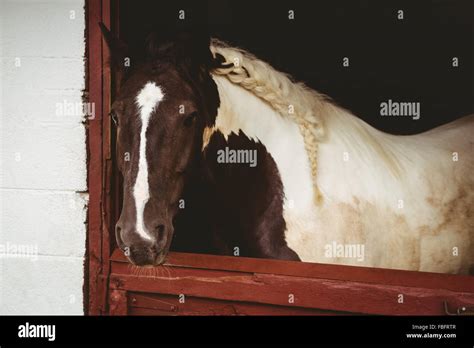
(286, 173)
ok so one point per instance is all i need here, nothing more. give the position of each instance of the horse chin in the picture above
(159, 260)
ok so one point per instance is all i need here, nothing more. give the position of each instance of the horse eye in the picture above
(189, 120)
(114, 116)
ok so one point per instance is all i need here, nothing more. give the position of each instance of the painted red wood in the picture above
(108, 221)
(94, 86)
(315, 286)
(169, 305)
(98, 92)
(339, 295)
(459, 283)
(118, 302)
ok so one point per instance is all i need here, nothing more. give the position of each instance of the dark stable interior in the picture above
(402, 60)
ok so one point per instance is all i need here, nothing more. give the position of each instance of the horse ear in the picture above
(118, 49)
(197, 66)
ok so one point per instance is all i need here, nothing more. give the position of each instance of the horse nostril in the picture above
(159, 230)
(118, 237)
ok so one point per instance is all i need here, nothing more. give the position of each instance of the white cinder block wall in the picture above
(43, 170)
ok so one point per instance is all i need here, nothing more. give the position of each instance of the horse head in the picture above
(166, 99)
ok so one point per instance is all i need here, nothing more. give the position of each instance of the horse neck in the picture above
(368, 149)
(242, 111)
(357, 160)
(363, 143)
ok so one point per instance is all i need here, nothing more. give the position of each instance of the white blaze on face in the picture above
(147, 100)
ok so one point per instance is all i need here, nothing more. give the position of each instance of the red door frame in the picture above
(99, 160)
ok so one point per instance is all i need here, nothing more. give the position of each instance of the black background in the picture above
(403, 60)
(134, 331)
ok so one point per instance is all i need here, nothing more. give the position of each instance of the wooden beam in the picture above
(94, 146)
(460, 283)
(98, 90)
(298, 292)
(170, 305)
(118, 302)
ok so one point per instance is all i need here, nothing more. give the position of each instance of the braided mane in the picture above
(290, 99)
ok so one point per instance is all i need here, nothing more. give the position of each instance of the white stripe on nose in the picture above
(147, 100)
